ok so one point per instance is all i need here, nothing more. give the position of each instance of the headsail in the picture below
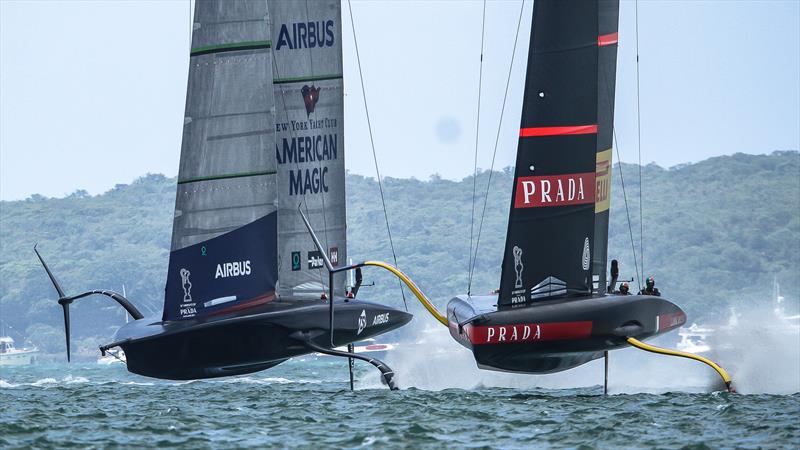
(224, 238)
(558, 224)
(309, 144)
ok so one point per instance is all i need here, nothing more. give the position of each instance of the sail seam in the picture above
(227, 176)
(232, 47)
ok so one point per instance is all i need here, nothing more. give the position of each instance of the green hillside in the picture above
(716, 234)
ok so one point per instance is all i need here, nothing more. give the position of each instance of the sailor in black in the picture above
(624, 289)
(650, 288)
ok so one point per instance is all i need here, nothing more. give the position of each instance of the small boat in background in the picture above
(12, 356)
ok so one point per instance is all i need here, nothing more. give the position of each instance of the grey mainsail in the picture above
(227, 175)
(309, 144)
(263, 134)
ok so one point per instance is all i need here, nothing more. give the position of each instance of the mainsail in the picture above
(309, 141)
(558, 226)
(263, 133)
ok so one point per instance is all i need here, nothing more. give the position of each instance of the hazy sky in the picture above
(92, 92)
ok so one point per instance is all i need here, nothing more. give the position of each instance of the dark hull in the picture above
(237, 345)
(556, 335)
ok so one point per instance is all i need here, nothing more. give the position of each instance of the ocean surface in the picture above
(445, 402)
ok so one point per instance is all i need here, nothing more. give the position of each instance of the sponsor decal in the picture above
(602, 177)
(314, 34)
(362, 322)
(310, 98)
(380, 319)
(518, 293)
(530, 332)
(296, 265)
(554, 190)
(315, 260)
(308, 149)
(518, 266)
(187, 309)
(586, 258)
(187, 285)
(334, 256)
(669, 321)
(549, 287)
(233, 269)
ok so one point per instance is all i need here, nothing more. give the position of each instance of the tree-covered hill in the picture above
(716, 233)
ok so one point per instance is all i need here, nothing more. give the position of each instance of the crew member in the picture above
(650, 288)
(624, 289)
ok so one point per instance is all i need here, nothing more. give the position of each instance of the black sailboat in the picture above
(250, 284)
(552, 311)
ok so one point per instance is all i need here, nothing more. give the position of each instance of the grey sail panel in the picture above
(309, 142)
(224, 230)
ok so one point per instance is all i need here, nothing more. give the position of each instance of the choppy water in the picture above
(308, 404)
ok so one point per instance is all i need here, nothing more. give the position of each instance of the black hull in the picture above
(238, 345)
(556, 335)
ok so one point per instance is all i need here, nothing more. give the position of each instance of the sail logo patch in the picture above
(314, 34)
(315, 260)
(586, 258)
(602, 176)
(296, 262)
(554, 190)
(362, 321)
(233, 269)
(187, 309)
(334, 256)
(187, 285)
(310, 98)
(518, 266)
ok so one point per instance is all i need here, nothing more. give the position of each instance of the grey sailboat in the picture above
(261, 170)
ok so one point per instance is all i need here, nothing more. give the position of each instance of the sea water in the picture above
(444, 402)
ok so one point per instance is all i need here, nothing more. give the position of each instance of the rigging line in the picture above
(639, 144)
(477, 135)
(322, 195)
(627, 212)
(372, 144)
(624, 192)
(496, 141)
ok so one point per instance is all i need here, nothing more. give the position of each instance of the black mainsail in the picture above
(556, 243)
(552, 312)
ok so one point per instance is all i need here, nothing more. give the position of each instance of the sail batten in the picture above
(558, 224)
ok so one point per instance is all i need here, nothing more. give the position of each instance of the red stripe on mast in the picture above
(607, 39)
(557, 131)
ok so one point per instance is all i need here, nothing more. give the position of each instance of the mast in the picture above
(558, 225)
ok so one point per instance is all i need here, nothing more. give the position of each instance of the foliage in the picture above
(717, 233)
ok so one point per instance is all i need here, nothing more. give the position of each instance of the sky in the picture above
(92, 93)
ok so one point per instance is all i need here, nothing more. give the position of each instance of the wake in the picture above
(762, 355)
